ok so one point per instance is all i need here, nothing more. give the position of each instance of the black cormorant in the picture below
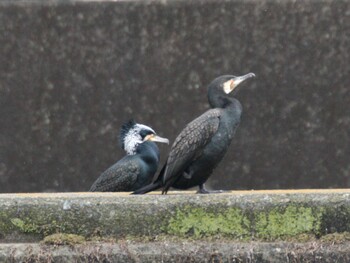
(202, 144)
(138, 167)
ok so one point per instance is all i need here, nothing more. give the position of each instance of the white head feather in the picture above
(133, 138)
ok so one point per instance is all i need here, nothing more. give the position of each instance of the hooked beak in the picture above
(230, 85)
(156, 138)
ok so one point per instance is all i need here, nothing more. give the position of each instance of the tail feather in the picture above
(148, 188)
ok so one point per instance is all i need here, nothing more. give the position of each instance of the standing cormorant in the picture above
(138, 167)
(202, 144)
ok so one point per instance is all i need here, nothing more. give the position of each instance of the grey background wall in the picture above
(72, 72)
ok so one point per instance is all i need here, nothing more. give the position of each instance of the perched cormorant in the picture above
(202, 144)
(138, 167)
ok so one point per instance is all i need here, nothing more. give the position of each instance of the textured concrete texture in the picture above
(72, 71)
(178, 252)
(265, 215)
(254, 226)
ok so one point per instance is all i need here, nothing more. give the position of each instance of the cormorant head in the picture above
(228, 83)
(220, 87)
(132, 134)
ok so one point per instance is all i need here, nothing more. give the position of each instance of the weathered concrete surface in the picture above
(72, 71)
(266, 215)
(178, 252)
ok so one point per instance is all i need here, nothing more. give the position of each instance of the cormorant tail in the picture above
(148, 188)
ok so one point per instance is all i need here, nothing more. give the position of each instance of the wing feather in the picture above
(190, 143)
(117, 178)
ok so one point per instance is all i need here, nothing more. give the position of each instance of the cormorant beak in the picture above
(231, 84)
(156, 138)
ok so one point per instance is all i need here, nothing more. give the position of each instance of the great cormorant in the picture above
(138, 167)
(202, 144)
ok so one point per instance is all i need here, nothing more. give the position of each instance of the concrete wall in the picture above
(72, 71)
(244, 226)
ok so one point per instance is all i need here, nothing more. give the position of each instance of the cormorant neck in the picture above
(148, 151)
(219, 99)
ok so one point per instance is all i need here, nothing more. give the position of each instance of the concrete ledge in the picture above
(185, 251)
(252, 215)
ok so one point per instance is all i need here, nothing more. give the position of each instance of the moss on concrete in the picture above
(336, 237)
(5, 222)
(40, 220)
(284, 222)
(200, 222)
(63, 239)
(25, 226)
(39, 223)
(287, 221)
(236, 217)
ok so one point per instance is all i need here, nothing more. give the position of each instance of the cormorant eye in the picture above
(144, 133)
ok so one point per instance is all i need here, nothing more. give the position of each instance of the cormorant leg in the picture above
(203, 190)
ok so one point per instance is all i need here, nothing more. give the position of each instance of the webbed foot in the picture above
(203, 190)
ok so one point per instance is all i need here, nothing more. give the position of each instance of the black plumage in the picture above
(202, 144)
(138, 167)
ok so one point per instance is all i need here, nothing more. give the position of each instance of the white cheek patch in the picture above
(130, 145)
(227, 86)
(133, 138)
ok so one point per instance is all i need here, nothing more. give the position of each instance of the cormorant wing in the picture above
(190, 143)
(118, 178)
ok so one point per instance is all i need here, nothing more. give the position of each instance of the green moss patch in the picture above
(279, 223)
(63, 239)
(301, 223)
(25, 226)
(198, 222)
(219, 217)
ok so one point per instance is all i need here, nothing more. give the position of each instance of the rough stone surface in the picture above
(72, 71)
(177, 252)
(269, 216)
(301, 226)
